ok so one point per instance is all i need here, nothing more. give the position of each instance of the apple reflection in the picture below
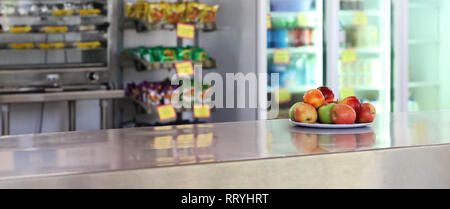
(313, 141)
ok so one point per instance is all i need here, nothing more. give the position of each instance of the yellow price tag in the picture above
(184, 69)
(87, 45)
(361, 18)
(58, 12)
(56, 29)
(349, 55)
(166, 112)
(269, 21)
(281, 56)
(85, 12)
(283, 96)
(302, 20)
(205, 140)
(185, 141)
(162, 142)
(202, 111)
(186, 31)
(347, 92)
(25, 29)
(22, 46)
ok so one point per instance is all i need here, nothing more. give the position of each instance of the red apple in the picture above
(367, 113)
(327, 93)
(343, 114)
(315, 98)
(352, 102)
(305, 113)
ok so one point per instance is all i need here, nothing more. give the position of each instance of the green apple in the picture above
(325, 113)
(292, 111)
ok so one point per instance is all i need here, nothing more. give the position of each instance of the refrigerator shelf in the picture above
(368, 50)
(414, 85)
(423, 42)
(143, 26)
(82, 46)
(370, 13)
(427, 5)
(54, 29)
(142, 65)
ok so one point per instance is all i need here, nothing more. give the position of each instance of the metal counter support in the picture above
(5, 120)
(72, 115)
(103, 114)
(71, 97)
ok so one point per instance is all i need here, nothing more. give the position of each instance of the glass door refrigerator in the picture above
(294, 49)
(365, 51)
(428, 44)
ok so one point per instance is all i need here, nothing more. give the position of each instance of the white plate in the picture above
(330, 126)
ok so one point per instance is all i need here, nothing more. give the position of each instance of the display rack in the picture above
(143, 26)
(141, 65)
(56, 48)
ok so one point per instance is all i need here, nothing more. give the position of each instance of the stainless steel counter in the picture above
(71, 97)
(398, 151)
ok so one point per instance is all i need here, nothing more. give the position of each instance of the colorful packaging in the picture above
(154, 96)
(137, 10)
(169, 54)
(158, 53)
(168, 93)
(147, 55)
(208, 14)
(184, 54)
(156, 12)
(173, 12)
(199, 55)
(129, 7)
(193, 11)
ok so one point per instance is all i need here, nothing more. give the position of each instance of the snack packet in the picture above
(193, 11)
(154, 96)
(173, 12)
(147, 55)
(168, 93)
(184, 54)
(199, 55)
(129, 9)
(138, 10)
(169, 54)
(155, 12)
(208, 14)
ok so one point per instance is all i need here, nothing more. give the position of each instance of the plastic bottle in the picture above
(280, 38)
(413, 106)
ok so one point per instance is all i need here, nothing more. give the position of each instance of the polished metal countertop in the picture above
(399, 150)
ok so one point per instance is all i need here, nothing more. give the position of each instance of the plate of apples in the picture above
(320, 110)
